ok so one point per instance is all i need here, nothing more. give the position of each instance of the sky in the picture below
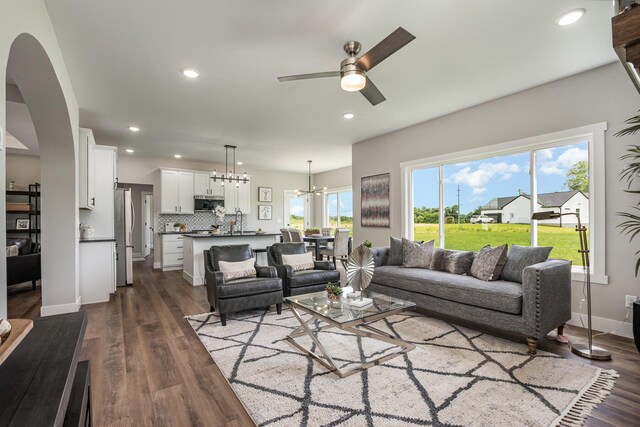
(482, 180)
(296, 206)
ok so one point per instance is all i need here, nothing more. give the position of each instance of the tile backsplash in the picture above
(198, 221)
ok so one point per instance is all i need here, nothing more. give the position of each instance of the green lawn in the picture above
(472, 237)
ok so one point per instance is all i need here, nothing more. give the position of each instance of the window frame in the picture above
(593, 134)
(325, 204)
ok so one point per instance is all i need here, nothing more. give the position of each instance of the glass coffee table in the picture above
(342, 315)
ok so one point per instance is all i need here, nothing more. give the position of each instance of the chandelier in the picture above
(231, 175)
(311, 190)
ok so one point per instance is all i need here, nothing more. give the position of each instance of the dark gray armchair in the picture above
(25, 267)
(239, 294)
(304, 281)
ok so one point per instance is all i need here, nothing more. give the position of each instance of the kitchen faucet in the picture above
(238, 211)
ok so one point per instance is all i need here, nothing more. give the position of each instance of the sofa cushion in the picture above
(249, 286)
(456, 262)
(23, 244)
(299, 261)
(278, 249)
(395, 251)
(313, 277)
(417, 254)
(489, 262)
(229, 253)
(520, 257)
(238, 269)
(499, 295)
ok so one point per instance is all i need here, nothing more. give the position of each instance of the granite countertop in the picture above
(98, 239)
(246, 234)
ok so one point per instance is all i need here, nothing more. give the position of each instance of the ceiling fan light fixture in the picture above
(353, 81)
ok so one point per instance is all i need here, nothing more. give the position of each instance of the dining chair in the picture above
(296, 237)
(286, 235)
(340, 248)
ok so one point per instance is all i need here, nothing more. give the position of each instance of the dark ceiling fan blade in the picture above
(309, 76)
(372, 93)
(387, 47)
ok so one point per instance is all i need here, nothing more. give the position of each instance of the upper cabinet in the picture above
(203, 185)
(176, 192)
(86, 173)
(237, 197)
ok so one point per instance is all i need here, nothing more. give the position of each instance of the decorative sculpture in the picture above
(360, 271)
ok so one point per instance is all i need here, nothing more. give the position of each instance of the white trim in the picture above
(325, 195)
(593, 133)
(600, 324)
(52, 310)
(157, 265)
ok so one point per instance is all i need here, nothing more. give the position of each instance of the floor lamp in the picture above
(589, 351)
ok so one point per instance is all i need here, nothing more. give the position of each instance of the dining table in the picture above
(318, 241)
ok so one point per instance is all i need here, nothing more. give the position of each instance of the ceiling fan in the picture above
(353, 70)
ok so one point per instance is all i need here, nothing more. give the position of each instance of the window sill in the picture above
(579, 276)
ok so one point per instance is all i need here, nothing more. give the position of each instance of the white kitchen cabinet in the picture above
(97, 271)
(176, 192)
(172, 252)
(203, 185)
(86, 175)
(102, 216)
(237, 197)
(185, 192)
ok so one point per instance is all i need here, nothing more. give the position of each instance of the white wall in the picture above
(602, 94)
(59, 267)
(22, 169)
(517, 212)
(139, 170)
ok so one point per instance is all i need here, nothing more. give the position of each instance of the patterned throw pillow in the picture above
(299, 262)
(456, 262)
(417, 255)
(238, 270)
(521, 257)
(396, 254)
(489, 262)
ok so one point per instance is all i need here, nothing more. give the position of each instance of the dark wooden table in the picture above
(38, 385)
(317, 241)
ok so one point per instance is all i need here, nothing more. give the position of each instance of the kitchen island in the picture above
(195, 244)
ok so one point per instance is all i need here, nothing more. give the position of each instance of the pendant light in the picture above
(311, 190)
(231, 175)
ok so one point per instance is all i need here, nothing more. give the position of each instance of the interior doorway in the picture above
(148, 223)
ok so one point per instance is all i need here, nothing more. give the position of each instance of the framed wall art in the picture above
(375, 203)
(264, 212)
(265, 194)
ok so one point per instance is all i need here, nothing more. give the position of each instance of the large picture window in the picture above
(339, 209)
(467, 202)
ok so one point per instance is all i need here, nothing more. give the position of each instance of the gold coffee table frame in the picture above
(382, 307)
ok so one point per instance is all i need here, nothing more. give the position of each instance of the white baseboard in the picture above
(157, 265)
(193, 281)
(52, 310)
(603, 324)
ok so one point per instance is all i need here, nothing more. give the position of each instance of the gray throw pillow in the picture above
(395, 251)
(520, 257)
(489, 262)
(456, 262)
(417, 254)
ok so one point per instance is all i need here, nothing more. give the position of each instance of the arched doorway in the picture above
(29, 66)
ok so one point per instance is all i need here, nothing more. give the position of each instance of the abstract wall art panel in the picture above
(375, 201)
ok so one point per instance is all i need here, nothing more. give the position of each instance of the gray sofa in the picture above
(531, 309)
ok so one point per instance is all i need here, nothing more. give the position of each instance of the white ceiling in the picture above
(124, 59)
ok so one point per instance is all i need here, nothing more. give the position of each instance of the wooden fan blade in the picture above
(387, 47)
(309, 76)
(372, 93)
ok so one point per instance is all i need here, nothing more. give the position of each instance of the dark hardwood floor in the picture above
(149, 368)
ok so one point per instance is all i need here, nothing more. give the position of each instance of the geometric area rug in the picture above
(455, 376)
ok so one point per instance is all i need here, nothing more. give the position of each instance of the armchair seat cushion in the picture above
(249, 286)
(313, 277)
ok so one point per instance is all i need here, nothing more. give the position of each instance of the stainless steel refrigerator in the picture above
(124, 222)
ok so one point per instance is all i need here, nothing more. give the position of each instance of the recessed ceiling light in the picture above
(134, 128)
(191, 73)
(570, 17)
(177, 156)
(239, 163)
(129, 150)
(348, 116)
